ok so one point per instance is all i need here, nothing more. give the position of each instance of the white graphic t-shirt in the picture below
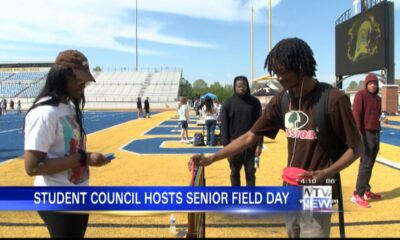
(183, 113)
(54, 130)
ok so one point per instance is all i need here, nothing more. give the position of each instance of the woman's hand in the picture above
(97, 160)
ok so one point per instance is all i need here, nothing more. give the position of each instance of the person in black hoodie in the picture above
(238, 115)
(139, 108)
(146, 108)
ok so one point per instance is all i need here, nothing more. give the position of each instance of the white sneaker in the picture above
(182, 140)
(187, 141)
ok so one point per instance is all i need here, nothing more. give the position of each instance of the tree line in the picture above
(200, 87)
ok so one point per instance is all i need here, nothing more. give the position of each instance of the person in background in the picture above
(367, 114)
(1, 107)
(218, 107)
(19, 110)
(196, 106)
(146, 108)
(183, 113)
(5, 105)
(139, 108)
(209, 113)
(238, 115)
(384, 118)
(11, 104)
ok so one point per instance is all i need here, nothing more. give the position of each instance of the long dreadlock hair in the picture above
(291, 54)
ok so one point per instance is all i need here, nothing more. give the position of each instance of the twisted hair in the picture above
(291, 54)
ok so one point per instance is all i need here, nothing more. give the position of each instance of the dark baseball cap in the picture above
(77, 62)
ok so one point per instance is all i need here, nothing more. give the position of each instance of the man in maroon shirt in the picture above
(367, 112)
(292, 61)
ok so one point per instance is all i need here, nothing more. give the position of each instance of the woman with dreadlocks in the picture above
(55, 141)
(292, 61)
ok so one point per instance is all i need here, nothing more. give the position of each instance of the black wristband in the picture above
(83, 159)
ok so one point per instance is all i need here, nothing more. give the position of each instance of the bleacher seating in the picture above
(111, 89)
(5, 75)
(33, 90)
(11, 89)
(24, 84)
(27, 76)
(160, 86)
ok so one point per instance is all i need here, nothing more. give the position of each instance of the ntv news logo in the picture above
(317, 198)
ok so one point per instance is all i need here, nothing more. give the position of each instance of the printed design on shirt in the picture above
(72, 143)
(295, 121)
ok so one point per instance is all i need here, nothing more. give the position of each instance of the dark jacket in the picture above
(238, 114)
(146, 105)
(367, 107)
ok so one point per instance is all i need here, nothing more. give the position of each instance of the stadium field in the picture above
(149, 153)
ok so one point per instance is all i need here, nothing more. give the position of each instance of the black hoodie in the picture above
(238, 113)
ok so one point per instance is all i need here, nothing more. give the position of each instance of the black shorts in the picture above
(184, 124)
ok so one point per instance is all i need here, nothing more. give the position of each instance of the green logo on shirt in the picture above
(295, 120)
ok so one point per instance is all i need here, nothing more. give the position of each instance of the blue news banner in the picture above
(190, 199)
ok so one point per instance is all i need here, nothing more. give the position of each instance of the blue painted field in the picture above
(395, 123)
(390, 136)
(11, 136)
(152, 146)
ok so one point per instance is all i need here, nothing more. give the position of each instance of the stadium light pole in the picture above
(270, 24)
(355, 4)
(136, 35)
(268, 76)
(252, 41)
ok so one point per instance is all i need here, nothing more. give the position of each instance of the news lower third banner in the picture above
(187, 199)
